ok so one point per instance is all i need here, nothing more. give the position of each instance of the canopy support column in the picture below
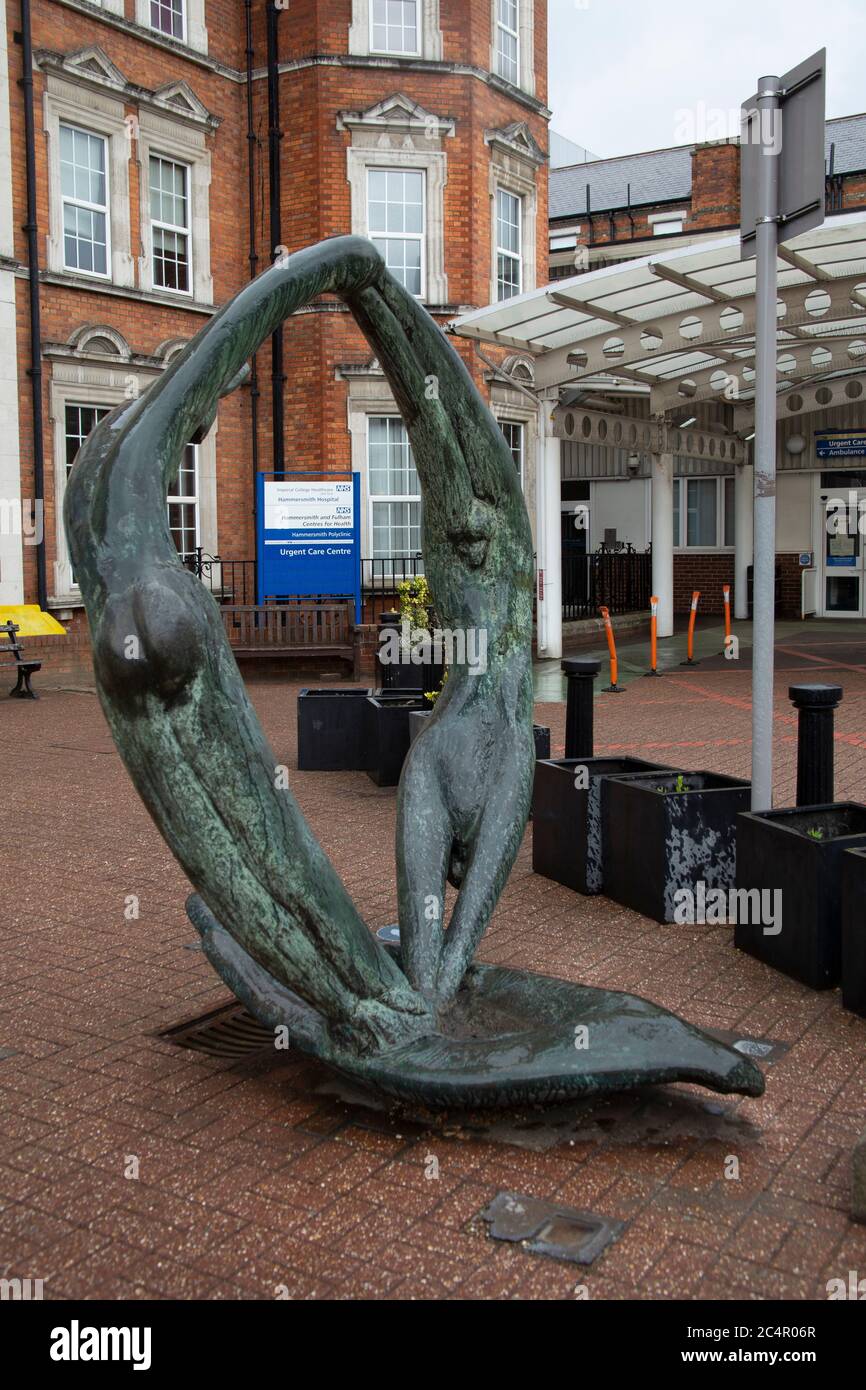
(663, 540)
(744, 502)
(548, 535)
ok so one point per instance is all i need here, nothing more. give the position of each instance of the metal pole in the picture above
(766, 239)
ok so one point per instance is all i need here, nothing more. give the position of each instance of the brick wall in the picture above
(708, 572)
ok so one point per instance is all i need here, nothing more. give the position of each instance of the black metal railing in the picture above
(234, 581)
(230, 581)
(619, 580)
(379, 580)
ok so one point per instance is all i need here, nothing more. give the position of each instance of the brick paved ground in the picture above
(254, 1176)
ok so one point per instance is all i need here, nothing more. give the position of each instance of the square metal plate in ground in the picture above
(759, 1049)
(563, 1233)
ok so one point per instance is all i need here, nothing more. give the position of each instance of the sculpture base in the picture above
(510, 1038)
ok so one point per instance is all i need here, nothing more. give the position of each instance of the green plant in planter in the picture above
(815, 833)
(431, 696)
(416, 604)
(679, 786)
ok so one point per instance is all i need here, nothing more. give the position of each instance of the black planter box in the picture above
(387, 723)
(775, 851)
(656, 842)
(854, 930)
(332, 730)
(567, 841)
(409, 675)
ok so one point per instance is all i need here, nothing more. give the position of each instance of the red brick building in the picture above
(176, 145)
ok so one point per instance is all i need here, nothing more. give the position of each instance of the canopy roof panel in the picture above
(660, 320)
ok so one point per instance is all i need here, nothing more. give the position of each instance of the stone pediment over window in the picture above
(181, 98)
(396, 122)
(516, 139)
(91, 68)
(87, 64)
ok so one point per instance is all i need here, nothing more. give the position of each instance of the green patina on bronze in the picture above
(275, 918)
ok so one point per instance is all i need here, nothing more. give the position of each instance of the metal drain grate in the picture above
(227, 1032)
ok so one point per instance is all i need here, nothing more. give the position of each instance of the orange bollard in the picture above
(654, 624)
(726, 595)
(690, 651)
(613, 688)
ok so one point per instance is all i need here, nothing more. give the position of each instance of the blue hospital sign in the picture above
(308, 541)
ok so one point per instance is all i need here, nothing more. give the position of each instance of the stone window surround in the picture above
(429, 32)
(506, 173)
(195, 33)
(79, 382)
(507, 403)
(369, 394)
(159, 135)
(66, 102)
(525, 45)
(380, 137)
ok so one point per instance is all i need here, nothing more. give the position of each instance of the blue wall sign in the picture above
(308, 541)
(840, 444)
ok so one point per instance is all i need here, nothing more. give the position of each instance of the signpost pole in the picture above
(766, 242)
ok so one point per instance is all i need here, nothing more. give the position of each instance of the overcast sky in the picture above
(630, 75)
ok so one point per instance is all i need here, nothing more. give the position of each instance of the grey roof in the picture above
(848, 134)
(655, 177)
(662, 176)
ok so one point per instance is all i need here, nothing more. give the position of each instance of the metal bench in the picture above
(292, 630)
(11, 655)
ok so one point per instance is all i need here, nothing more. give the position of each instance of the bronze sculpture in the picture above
(276, 922)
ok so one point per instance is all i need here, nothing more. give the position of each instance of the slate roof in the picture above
(662, 176)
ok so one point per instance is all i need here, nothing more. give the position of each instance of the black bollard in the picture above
(815, 705)
(580, 674)
(389, 672)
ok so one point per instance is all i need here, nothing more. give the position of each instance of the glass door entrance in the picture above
(844, 591)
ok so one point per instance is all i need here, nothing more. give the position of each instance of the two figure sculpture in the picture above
(421, 1023)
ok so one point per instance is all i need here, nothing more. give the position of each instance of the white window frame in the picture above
(429, 32)
(420, 237)
(503, 28)
(66, 103)
(103, 208)
(502, 192)
(667, 223)
(505, 421)
(188, 499)
(398, 52)
(525, 45)
(681, 539)
(376, 498)
(171, 227)
(178, 38)
(195, 33)
(182, 144)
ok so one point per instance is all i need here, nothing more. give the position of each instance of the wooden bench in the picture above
(292, 630)
(11, 655)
